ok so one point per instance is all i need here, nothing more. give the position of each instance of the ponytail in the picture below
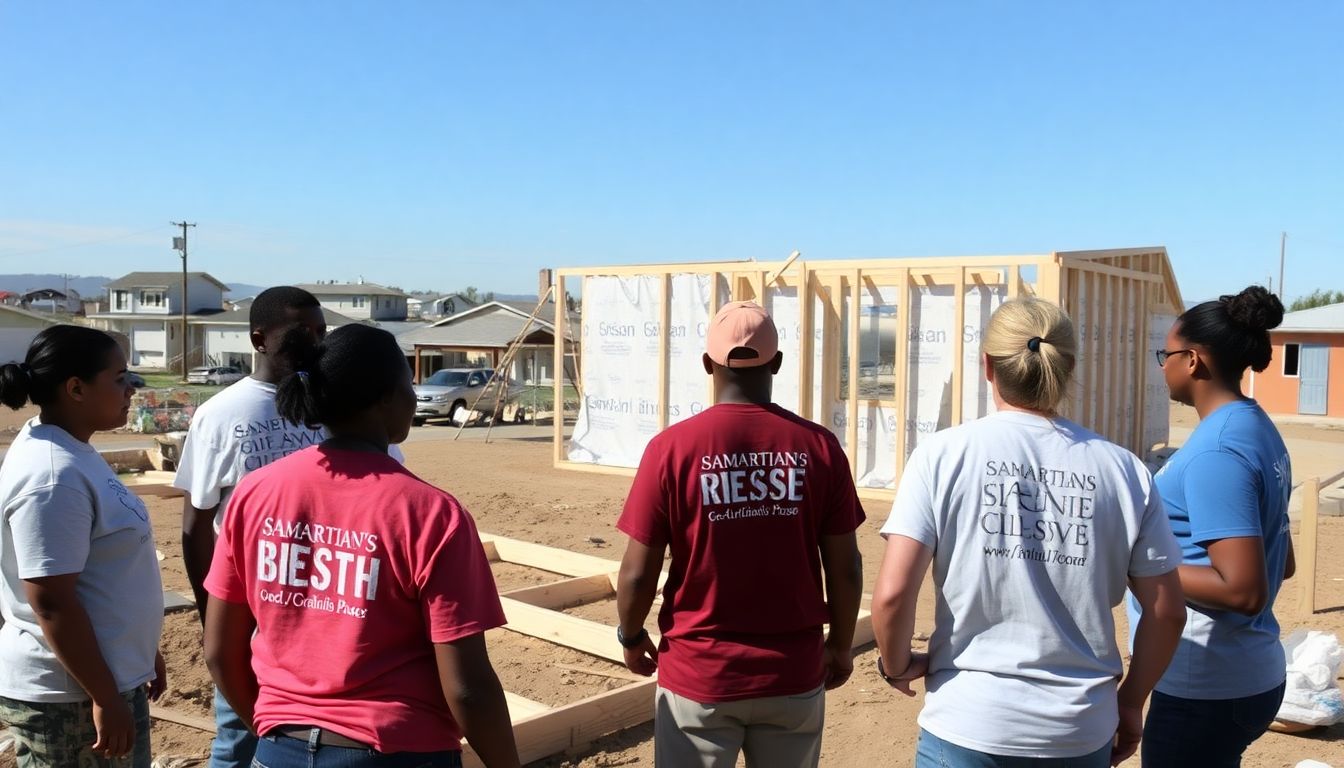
(355, 367)
(57, 354)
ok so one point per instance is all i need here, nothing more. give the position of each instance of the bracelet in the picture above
(882, 672)
(631, 642)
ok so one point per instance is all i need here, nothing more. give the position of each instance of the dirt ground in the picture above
(511, 490)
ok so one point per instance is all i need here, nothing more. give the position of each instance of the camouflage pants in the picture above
(60, 735)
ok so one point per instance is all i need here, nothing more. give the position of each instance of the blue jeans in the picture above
(275, 751)
(234, 745)
(1211, 732)
(933, 752)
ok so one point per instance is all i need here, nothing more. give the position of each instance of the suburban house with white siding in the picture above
(18, 328)
(147, 308)
(361, 301)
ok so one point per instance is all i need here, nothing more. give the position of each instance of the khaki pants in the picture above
(774, 732)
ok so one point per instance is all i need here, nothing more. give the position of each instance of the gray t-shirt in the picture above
(1036, 526)
(64, 511)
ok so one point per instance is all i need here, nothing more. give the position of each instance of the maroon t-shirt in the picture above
(742, 494)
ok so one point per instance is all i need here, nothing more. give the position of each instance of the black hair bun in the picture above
(1254, 309)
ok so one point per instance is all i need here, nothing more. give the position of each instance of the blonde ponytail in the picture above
(1033, 349)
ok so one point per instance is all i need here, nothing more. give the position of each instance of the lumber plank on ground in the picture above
(151, 483)
(578, 724)
(181, 718)
(573, 632)
(552, 559)
(558, 595)
(521, 707)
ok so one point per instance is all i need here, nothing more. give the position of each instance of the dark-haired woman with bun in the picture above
(79, 580)
(368, 588)
(1226, 493)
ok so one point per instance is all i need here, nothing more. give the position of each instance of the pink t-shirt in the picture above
(354, 568)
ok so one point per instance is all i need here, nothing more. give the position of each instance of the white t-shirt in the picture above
(63, 511)
(1036, 525)
(233, 433)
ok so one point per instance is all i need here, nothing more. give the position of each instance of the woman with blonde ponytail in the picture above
(1034, 526)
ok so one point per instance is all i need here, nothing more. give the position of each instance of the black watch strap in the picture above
(631, 642)
(882, 671)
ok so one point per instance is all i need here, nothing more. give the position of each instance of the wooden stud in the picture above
(1048, 277)
(760, 288)
(806, 345)
(1306, 562)
(182, 718)
(520, 707)
(664, 337)
(902, 367)
(558, 595)
(1145, 359)
(1117, 366)
(1014, 282)
(582, 635)
(852, 406)
(553, 559)
(558, 406)
(958, 345)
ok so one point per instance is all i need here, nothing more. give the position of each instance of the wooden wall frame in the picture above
(1123, 286)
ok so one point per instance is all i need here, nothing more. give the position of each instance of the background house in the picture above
(53, 301)
(18, 327)
(1306, 374)
(446, 305)
(361, 301)
(479, 337)
(147, 308)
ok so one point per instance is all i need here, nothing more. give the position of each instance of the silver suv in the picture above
(449, 393)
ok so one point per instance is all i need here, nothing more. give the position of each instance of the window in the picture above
(121, 300)
(151, 298)
(1291, 353)
(357, 302)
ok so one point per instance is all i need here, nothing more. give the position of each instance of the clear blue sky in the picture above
(436, 145)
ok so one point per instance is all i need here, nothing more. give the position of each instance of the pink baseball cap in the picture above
(742, 325)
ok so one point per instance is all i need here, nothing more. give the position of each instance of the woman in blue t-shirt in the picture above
(1226, 493)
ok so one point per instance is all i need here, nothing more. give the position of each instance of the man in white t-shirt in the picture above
(233, 433)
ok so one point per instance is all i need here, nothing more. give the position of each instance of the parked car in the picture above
(214, 374)
(450, 393)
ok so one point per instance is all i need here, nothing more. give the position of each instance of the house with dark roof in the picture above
(361, 300)
(1306, 369)
(479, 337)
(147, 308)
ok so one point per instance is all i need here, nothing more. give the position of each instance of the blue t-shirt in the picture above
(1231, 479)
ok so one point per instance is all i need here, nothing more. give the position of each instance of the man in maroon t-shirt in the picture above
(756, 506)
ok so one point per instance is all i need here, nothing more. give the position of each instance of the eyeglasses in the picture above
(1163, 354)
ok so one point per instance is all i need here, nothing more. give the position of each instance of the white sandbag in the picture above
(1312, 697)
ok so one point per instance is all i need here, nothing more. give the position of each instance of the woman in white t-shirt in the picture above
(1034, 526)
(79, 580)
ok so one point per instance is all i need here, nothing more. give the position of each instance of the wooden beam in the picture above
(553, 559)
(664, 335)
(715, 304)
(559, 595)
(521, 707)
(806, 345)
(1306, 563)
(852, 406)
(576, 725)
(573, 632)
(152, 483)
(778, 273)
(1014, 282)
(167, 715)
(958, 345)
(558, 407)
(902, 366)
(1115, 363)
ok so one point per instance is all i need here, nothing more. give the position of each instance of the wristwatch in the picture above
(882, 672)
(631, 642)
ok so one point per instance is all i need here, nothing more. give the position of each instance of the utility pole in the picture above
(180, 244)
(1283, 248)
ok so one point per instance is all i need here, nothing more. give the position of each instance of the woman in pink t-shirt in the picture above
(368, 589)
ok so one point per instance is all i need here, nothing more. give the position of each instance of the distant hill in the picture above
(94, 286)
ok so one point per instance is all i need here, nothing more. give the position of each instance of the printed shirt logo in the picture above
(1049, 510)
(263, 441)
(128, 499)
(735, 486)
(317, 567)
